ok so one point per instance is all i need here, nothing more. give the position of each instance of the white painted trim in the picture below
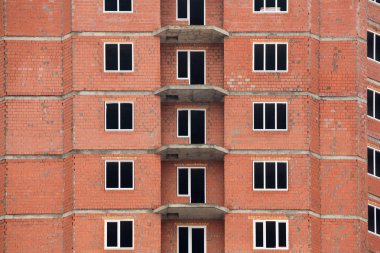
(119, 130)
(189, 228)
(120, 12)
(276, 163)
(264, 62)
(189, 123)
(119, 167)
(118, 57)
(118, 235)
(264, 234)
(275, 116)
(271, 12)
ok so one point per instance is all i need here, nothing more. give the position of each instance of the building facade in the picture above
(190, 126)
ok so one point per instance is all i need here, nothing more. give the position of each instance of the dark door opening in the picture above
(197, 67)
(198, 127)
(197, 185)
(191, 239)
(198, 240)
(197, 12)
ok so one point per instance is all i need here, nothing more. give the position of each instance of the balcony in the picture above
(191, 211)
(190, 152)
(191, 34)
(191, 93)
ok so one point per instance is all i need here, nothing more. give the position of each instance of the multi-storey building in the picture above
(190, 126)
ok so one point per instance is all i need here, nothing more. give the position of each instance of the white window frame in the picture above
(118, 235)
(118, 11)
(190, 237)
(119, 169)
(374, 150)
(188, 64)
(374, 104)
(189, 182)
(189, 122)
(277, 235)
(373, 1)
(272, 12)
(265, 189)
(374, 221)
(264, 62)
(118, 57)
(119, 121)
(188, 12)
(275, 116)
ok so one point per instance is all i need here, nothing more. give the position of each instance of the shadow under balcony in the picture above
(191, 211)
(204, 152)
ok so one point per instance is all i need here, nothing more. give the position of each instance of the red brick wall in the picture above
(89, 126)
(88, 64)
(214, 182)
(89, 183)
(373, 11)
(214, 122)
(214, 63)
(214, 234)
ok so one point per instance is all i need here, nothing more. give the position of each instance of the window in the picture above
(373, 104)
(191, 10)
(373, 46)
(270, 116)
(192, 124)
(191, 239)
(191, 66)
(118, 57)
(270, 5)
(373, 162)
(118, 234)
(374, 219)
(119, 175)
(119, 116)
(270, 234)
(270, 175)
(191, 182)
(375, 1)
(270, 57)
(118, 6)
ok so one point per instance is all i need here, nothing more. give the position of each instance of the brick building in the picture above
(190, 126)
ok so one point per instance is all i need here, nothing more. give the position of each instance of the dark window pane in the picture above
(259, 175)
(125, 5)
(111, 57)
(126, 116)
(183, 182)
(377, 105)
(112, 116)
(126, 177)
(282, 56)
(370, 45)
(370, 103)
(271, 3)
(377, 221)
(259, 234)
(197, 68)
(370, 161)
(377, 48)
(110, 5)
(282, 4)
(371, 218)
(183, 123)
(281, 116)
(259, 5)
(282, 234)
(270, 176)
(198, 240)
(259, 56)
(270, 116)
(271, 234)
(182, 65)
(258, 114)
(183, 241)
(282, 177)
(198, 127)
(377, 163)
(182, 8)
(126, 57)
(112, 175)
(111, 234)
(270, 56)
(126, 234)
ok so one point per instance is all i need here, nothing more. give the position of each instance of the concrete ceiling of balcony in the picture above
(191, 34)
(191, 152)
(192, 211)
(191, 93)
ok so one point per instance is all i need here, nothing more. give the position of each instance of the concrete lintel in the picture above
(191, 34)
(191, 211)
(372, 196)
(373, 23)
(191, 93)
(373, 139)
(191, 152)
(373, 81)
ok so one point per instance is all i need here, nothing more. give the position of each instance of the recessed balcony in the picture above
(191, 211)
(191, 93)
(191, 34)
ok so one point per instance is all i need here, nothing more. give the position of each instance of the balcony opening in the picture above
(191, 66)
(191, 183)
(191, 239)
(191, 10)
(192, 124)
